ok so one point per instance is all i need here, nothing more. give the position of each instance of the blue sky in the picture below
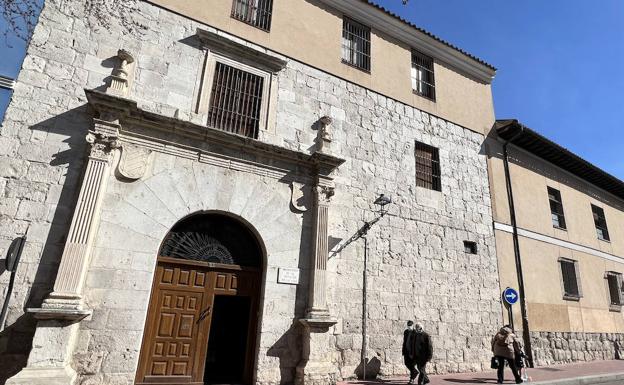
(560, 64)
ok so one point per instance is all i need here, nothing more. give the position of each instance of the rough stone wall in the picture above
(562, 347)
(135, 219)
(417, 266)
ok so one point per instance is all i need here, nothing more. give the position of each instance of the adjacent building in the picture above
(188, 175)
(558, 222)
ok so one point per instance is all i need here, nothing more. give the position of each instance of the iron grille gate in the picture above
(236, 101)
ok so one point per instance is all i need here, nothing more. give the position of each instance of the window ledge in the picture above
(433, 100)
(604, 240)
(267, 30)
(567, 297)
(560, 228)
(615, 308)
(367, 71)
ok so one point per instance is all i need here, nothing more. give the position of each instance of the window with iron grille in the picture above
(423, 82)
(235, 101)
(614, 281)
(570, 277)
(253, 12)
(556, 208)
(600, 222)
(356, 44)
(427, 167)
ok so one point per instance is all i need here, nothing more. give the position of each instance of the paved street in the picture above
(545, 373)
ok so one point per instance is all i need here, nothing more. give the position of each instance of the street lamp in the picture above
(382, 201)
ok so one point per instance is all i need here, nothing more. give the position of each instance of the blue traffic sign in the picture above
(510, 296)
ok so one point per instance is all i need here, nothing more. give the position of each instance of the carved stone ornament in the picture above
(121, 76)
(134, 161)
(300, 198)
(324, 136)
(325, 193)
(101, 145)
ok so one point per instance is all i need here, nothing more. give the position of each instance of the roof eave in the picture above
(415, 37)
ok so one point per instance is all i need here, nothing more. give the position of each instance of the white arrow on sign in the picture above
(511, 295)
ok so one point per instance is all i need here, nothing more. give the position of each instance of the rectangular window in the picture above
(427, 167)
(356, 44)
(423, 82)
(614, 281)
(556, 208)
(236, 101)
(253, 12)
(600, 222)
(570, 277)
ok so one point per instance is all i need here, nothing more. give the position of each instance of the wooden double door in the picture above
(201, 325)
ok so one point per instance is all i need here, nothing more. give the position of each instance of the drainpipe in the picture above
(512, 211)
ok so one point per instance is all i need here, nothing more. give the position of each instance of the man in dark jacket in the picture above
(408, 351)
(423, 352)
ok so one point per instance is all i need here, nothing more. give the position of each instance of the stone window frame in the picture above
(616, 307)
(269, 91)
(577, 272)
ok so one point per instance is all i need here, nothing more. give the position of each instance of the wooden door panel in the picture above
(174, 336)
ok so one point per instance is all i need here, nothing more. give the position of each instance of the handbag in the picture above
(494, 363)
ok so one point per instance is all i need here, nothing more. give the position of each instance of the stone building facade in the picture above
(123, 190)
(568, 216)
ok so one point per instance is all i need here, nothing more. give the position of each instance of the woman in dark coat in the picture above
(505, 346)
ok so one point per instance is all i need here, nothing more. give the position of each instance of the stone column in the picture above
(53, 343)
(316, 366)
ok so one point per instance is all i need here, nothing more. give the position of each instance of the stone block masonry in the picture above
(417, 265)
(563, 347)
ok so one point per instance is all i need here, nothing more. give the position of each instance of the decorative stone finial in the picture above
(324, 134)
(121, 76)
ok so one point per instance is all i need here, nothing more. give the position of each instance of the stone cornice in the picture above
(415, 38)
(135, 120)
(242, 50)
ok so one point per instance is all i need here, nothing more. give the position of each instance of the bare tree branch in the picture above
(20, 16)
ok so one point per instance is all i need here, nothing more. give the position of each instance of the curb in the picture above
(602, 379)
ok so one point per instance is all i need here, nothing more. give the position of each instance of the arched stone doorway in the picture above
(201, 326)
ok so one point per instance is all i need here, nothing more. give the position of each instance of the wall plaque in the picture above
(288, 276)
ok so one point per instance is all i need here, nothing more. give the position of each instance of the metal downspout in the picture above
(512, 211)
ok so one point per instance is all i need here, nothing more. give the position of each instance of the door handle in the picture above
(205, 313)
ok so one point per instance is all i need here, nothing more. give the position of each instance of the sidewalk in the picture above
(603, 372)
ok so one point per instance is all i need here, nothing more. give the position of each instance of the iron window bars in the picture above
(427, 167)
(6, 83)
(556, 208)
(570, 277)
(235, 101)
(253, 12)
(614, 281)
(423, 81)
(600, 222)
(356, 44)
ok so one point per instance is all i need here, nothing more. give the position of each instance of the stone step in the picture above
(602, 379)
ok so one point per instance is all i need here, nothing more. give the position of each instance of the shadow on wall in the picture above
(288, 348)
(45, 242)
(373, 367)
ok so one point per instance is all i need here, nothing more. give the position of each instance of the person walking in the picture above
(505, 346)
(423, 352)
(408, 351)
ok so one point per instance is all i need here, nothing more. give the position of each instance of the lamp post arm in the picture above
(362, 231)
